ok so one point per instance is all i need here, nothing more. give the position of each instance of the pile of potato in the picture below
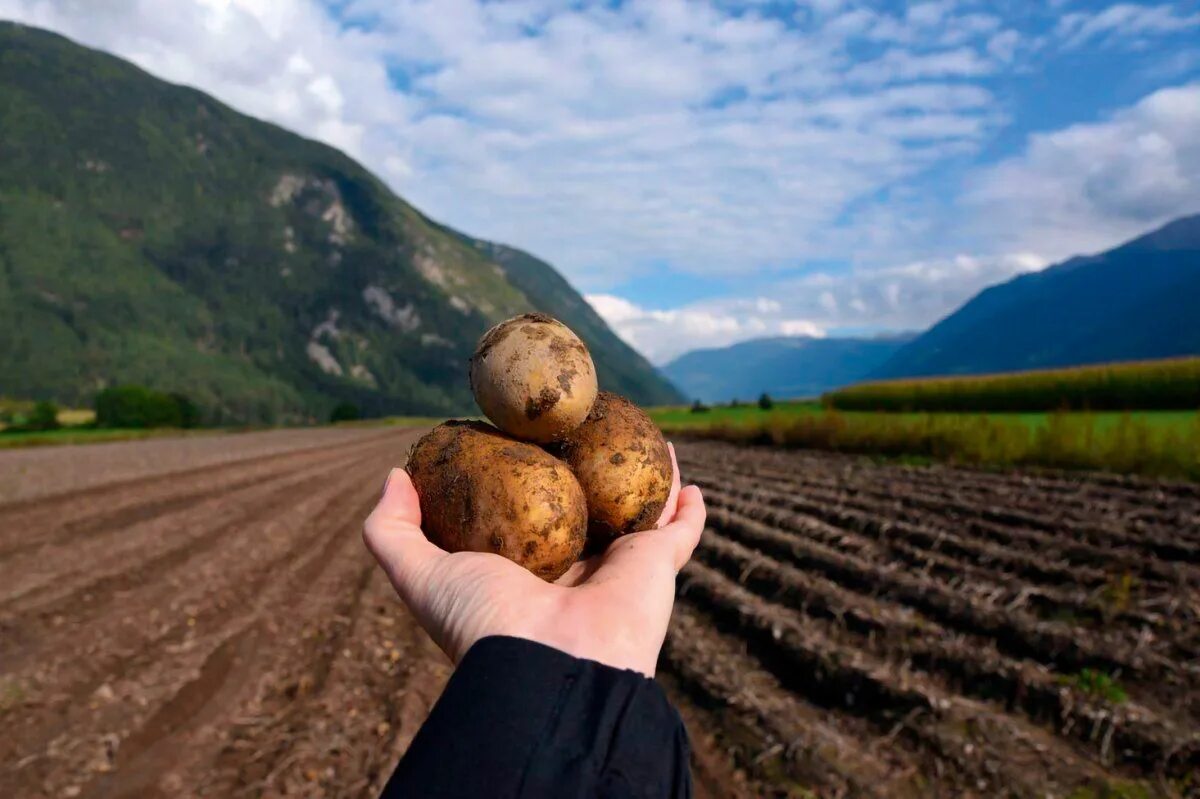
(568, 465)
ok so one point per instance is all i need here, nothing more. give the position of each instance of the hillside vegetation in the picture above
(150, 235)
(1150, 385)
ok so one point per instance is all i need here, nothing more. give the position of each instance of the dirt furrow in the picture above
(990, 586)
(325, 583)
(126, 653)
(1086, 544)
(88, 575)
(199, 619)
(68, 516)
(771, 734)
(336, 723)
(1168, 502)
(1018, 633)
(884, 526)
(961, 663)
(1119, 599)
(944, 726)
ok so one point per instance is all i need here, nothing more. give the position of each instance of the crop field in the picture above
(681, 419)
(1150, 443)
(1163, 384)
(198, 617)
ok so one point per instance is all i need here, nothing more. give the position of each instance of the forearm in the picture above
(519, 719)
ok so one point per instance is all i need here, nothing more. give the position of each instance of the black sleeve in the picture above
(519, 719)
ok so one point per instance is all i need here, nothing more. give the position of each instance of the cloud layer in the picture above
(714, 138)
(605, 138)
(1077, 190)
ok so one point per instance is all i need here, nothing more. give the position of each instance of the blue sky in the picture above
(710, 171)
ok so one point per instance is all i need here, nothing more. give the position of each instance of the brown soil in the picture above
(214, 627)
(205, 621)
(848, 628)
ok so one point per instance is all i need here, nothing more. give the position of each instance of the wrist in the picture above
(617, 645)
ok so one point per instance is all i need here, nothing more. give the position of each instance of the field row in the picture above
(847, 632)
(845, 628)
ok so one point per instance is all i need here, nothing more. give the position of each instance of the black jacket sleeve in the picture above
(519, 719)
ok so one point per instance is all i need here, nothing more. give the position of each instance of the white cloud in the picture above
(1127, 23)
(1087, 187)
(1080, 189)
(665, 334)
(906, 297)
(904, 65)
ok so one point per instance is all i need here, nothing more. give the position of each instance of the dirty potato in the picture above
(622, 462)
(533, 378)
(482, 491)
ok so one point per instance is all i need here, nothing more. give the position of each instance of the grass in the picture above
(1098, 685)
(11, 409)
(74, 417)
(12, 693)
(93, 435)
(1153, 443)
(682, 416)
(1116, 789)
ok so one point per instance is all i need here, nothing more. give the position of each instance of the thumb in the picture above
(393, 534)
(652, 555)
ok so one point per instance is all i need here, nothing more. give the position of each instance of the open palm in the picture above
(613, 608)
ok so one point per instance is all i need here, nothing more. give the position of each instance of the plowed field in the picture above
(861, 629)
(200, 618)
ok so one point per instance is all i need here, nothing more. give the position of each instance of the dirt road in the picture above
(205, 621)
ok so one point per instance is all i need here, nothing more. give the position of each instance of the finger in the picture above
(673, 498)
(688, 525)
(393, 534)
(642, 558)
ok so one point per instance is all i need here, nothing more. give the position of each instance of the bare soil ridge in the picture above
(207, 622)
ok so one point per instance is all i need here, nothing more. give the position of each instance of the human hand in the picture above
(613, 608)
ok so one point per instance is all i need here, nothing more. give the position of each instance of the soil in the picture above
(199, 618)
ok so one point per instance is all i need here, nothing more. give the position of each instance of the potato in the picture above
(482, 491)
(622, 462)
(533, 378)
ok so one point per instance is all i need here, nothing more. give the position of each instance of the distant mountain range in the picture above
(150, 234)
(782, 367)
(1140, 300)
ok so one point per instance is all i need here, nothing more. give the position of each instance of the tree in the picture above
(765, 402)
(344, 412)
(138, 406)
(43, 417)
(189, 414)
(699, 407)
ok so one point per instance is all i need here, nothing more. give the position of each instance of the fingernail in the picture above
(387, 482)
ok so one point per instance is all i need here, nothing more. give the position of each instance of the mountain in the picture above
(782, 367)
(1138, 301)
(150, 234)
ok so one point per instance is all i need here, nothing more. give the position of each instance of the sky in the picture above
(709, 172)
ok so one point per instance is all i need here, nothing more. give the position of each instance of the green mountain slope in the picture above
(150, 234)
